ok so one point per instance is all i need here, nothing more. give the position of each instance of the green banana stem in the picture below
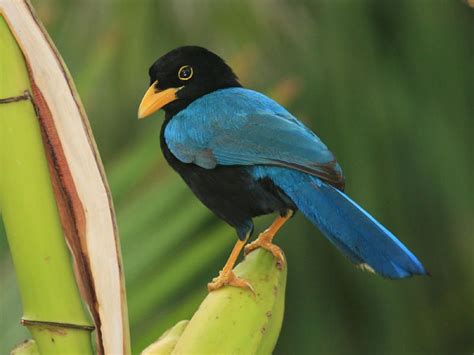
(53, 311)
(232, 320)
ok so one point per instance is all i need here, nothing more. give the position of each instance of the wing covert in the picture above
(242, 127)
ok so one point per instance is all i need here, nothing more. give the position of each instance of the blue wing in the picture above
(238, 126)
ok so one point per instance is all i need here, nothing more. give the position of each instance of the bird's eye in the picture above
(185, 72)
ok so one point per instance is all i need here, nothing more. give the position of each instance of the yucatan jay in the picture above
(244, 155)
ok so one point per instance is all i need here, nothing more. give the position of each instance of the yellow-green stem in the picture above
(42, 261)
(232, 320)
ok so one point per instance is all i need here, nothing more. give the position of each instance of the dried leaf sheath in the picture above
(69, 205)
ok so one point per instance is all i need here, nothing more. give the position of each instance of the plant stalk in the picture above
(232, 320)
(49, 293)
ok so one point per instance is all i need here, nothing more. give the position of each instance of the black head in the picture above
(183, 75)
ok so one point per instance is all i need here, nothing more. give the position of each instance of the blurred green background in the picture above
(389, 86)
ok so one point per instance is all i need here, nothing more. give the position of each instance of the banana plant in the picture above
(54, 199)
(232, 320)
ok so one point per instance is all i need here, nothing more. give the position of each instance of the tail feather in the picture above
(352, 230)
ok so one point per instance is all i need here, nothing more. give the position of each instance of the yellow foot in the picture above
(266, 243)
(229, 279)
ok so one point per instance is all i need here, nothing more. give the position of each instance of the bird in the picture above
(244, 155)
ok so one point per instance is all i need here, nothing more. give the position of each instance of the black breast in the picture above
(229, 191)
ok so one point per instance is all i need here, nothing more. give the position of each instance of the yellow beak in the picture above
(155, 99)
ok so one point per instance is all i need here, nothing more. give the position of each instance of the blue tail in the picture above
(357, 234)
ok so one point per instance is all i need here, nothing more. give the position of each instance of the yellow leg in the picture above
(226, 275)
(265, 238)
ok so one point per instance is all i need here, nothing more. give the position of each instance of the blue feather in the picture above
(238, 126)
(351, 229)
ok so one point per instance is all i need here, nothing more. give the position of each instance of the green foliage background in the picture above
(389, 86)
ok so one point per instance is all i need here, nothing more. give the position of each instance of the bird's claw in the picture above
(229, 279)
(265, 242)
